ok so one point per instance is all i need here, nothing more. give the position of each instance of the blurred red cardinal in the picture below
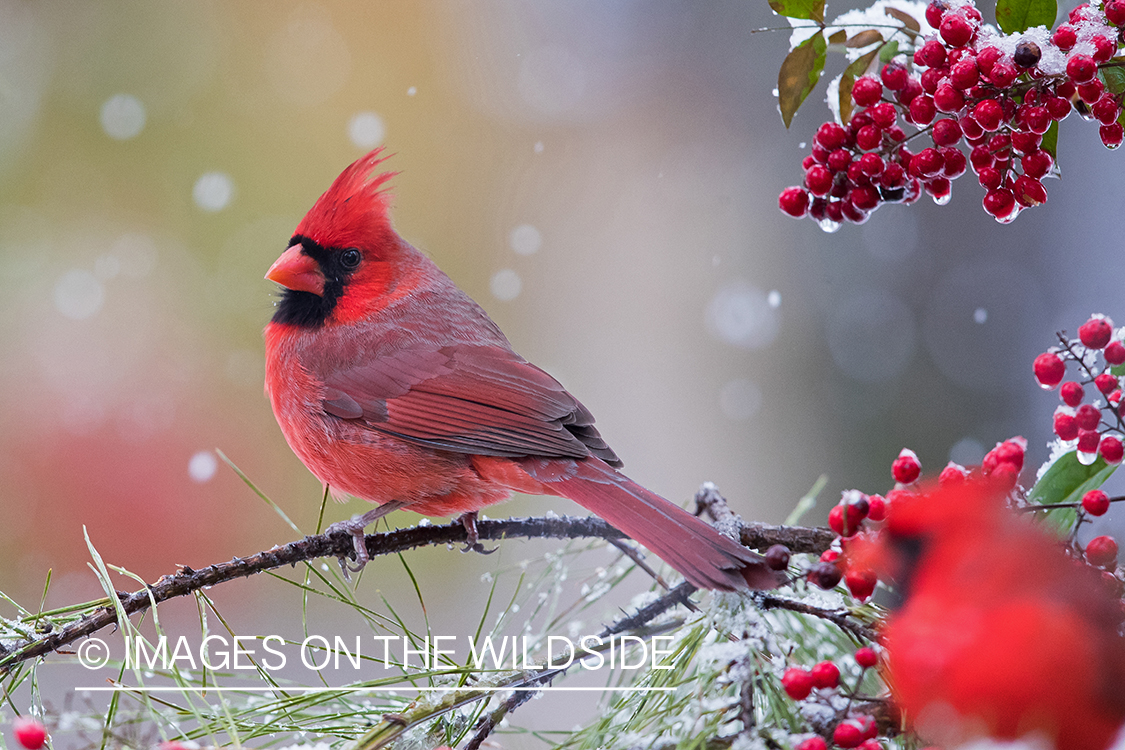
(1000, 634)
(392, 385)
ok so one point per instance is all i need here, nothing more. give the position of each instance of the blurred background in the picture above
(601, 176)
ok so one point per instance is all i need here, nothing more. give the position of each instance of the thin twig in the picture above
(837, 617)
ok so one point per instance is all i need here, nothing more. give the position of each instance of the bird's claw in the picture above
(479, 548)
(355, 530)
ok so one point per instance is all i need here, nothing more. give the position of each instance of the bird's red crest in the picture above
(353, 212)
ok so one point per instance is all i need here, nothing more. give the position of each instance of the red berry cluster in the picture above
(856, 731)
(1097, 426)
(999, 95)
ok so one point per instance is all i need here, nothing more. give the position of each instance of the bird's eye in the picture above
(350, 259)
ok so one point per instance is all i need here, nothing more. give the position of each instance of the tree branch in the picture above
(187, 580)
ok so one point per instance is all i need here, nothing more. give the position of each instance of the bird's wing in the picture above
(484, 400)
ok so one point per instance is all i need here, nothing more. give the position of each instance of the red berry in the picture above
(1011, 452)
(952, 475)
(1087, 417)
(1112, 135)
(866, 657)
(1102, 551)
(922, 110)
(988, 113)
(1029, 191)
(1003, 74)
(812, 743)
(939, 188)
(831, 136)
(866, 91)
(777, 557)
(1081, 68)
(29, 732)
(964, 74)
(1088, 441)
(990, 179)
(1095, 332)
(1095, 502)
(1058, 107)
(1091, 91)
(1072, 393)
(1115, 12)
(894, 76)
(1000, 202)
(935, 11)
(955, 163)
(1049, 367)
(1065, 37)
(932, 54)
(1066, 426)
(861, 583)
(956, 30)
(865, 197)
(839, 160)
(793, 201)
(869, 137)
(883, 114)
(876, 507)
(818, 180)
(830, 555)
(927, 163)
(844, 520)
(1103, 48)
(797, 683)
(946, 131)
(1114, 353)
(1106, 383)
(906, 467)
(1025, 142)
(848, 733)
(1036, 119)
(870, 744)
(825, 675)
(1111, 449)
(1036, 163)
(907, 93)
(871, 165)
(948, 99)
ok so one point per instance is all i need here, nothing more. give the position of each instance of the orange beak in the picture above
(297, 271)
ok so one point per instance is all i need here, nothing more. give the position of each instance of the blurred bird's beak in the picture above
(297, 271)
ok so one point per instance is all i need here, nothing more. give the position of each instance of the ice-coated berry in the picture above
(860, 583)
(1112, 135)
(1065, 37)
(1088, 441)
(1036, 163)
(844, 520)
(1049, 367)
(876, 507)
(946, 131)
(922, 110)
(1106, 383)
(956, 30)
(1072, 393)
(1081, 68)
(989, 113)
(1095, 332)
(812, 743)
(793, 201)
(866, 657)
(1065, 426)
(1029, 191)
(866, 91)
(1087, 417)
(906, 468)
(1027, 54)
(1095, 502)
(1114, 353)
(847, 734)
(1115, 12)
(825, 575)
(797, 683)
(1111, 449)
(1102, 551)
(964, 74)
(894, 76)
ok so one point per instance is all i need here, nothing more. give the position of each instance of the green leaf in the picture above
(888, 51)
(813, 10)
(1066, 482)
(1014, 16)
(799, 73)
(1114, 79)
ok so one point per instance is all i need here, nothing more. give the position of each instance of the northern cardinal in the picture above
(1001, 634)
(391, 385)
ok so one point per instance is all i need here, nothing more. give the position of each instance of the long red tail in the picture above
(701, 554)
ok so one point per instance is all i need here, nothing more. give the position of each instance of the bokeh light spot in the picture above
(123, 116)
(505, 285)
(740, 314)
(773, 299)
(202, 466)
(213, 191)
(525, 239)
(366, 129)
(980, 315)
(78, 294)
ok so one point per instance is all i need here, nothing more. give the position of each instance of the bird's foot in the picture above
(472, 543)
(354, 527)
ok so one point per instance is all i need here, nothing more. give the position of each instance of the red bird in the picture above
(393, 386)
(1001, 634)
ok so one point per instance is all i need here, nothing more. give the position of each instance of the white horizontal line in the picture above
(222, 689)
